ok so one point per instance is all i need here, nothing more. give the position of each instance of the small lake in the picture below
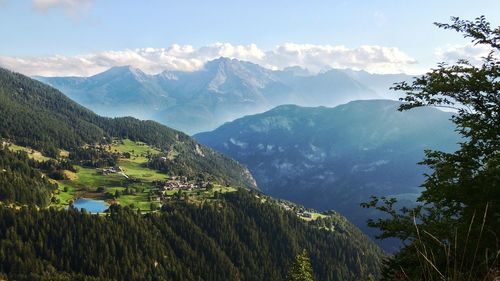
(91, 205)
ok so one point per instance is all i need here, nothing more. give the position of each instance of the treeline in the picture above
(20, 182)
(236, 238)
(35, 115)
(54, 169)
(96, 157)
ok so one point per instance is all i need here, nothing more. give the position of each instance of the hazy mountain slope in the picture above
(119, 91)
(34, 114)
(330, 88)
(380, 83)
(335, 158)
(223, 90)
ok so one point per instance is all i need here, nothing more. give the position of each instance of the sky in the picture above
(84, 37)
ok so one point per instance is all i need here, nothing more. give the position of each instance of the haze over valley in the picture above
(223, 90)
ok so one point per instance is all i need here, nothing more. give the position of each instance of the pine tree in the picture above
(301, 269)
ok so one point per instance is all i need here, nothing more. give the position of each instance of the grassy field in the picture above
(314, 216)
(91, 183)
(33, 154)
(137, 149)
(137, 170)
(86, 181)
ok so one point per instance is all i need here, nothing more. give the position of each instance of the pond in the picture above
(91, 205)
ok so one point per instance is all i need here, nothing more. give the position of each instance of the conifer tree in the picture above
(301, 269)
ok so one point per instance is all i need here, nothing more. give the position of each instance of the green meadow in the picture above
(135, 190)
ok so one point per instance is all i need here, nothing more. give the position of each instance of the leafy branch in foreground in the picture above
(453, 234)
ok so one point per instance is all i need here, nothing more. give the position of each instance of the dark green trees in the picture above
(20, 182)
(301, 269)
(235, 238)
(453, 234)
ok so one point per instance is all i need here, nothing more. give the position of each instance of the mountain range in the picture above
(336, 158)
(223, 90)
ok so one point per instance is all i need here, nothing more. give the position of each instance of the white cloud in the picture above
(318, 57)
(375, 59)
(73, 7)
(472, 53)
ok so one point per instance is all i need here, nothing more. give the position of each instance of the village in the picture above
(299, 211)
(182, 183)
(164, 189)
(167, 188)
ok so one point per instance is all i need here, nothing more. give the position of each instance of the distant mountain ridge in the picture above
(336, 158)
(223, 90)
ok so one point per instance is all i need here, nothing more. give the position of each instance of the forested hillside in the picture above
(20, 182)
(35, 115)
(238, 238)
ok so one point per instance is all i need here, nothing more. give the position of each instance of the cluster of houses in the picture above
(113, 170)
(179, 183)
(300, 213)
(182, 183)
(110, 170)
(306, 214)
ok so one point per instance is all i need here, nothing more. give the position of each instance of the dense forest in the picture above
(235, 238)
(35, 115)
(21, 181)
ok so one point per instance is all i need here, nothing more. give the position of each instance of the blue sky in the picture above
(50, 28)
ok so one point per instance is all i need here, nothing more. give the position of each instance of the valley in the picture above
(336, 158)
(129, 182)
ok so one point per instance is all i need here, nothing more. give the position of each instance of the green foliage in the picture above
(238, 238)
(301, 269)
(20, 182)
(96, 157)
(453, 234)
(36, 115)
